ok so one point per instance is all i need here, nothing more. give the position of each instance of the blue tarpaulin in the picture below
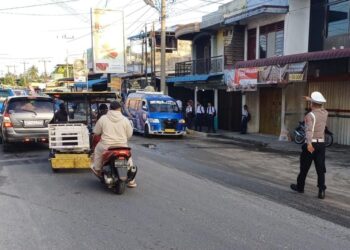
(193, 78)
(91, 83)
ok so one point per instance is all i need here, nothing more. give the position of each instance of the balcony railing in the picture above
(201, 66)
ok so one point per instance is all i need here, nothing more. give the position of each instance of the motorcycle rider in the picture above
(115, 130)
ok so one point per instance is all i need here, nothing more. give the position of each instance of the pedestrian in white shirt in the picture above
(211, 113)
(179, 104)
(200, 113)
(245, 119)
(189, 114)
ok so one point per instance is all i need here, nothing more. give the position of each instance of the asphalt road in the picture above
(191, 194)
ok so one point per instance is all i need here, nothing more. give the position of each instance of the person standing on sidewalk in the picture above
(211, 113)
(314, 148)
(245, 119)
(179, 104)
(189, 114)
(200, 113)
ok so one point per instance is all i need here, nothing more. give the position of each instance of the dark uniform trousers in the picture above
(306, 158)
(199, 122)
(211, 123)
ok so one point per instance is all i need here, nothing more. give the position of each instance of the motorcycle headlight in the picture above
(151, 120)
(182, 121)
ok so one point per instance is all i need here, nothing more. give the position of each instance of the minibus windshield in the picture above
(163, 106)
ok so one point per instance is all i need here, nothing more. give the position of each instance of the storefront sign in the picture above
(297, 72)
(273, 74)
(245, 79)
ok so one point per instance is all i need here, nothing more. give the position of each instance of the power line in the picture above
(143, 14)
(130, 4)
(43, 15)
(132, 13)
(36, 5)
(195, 8)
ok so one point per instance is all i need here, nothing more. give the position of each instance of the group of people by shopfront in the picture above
(200, 116)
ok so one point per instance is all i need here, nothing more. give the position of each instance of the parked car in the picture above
(4, 93)
(25, 119)
(154, 113)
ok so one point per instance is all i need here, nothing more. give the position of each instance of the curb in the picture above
(246, 142)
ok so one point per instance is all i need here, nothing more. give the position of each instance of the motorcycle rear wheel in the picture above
(119, 187)
(299, 139)
(328, 140)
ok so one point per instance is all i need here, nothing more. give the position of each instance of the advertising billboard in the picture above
(80, 72)
(108, 41)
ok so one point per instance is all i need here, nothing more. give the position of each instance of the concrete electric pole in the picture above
(163, 86)
(24, 72)
(163, 15)
(45, 72)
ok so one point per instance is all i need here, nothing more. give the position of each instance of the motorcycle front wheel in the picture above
(119, 187)
(299, 139)
(328, 139)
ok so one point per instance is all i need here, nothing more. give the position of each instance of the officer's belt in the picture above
(317, 140)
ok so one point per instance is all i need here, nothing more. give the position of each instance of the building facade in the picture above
(273, 53)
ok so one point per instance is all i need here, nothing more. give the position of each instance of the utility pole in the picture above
(162, 11)
(45, 72)
(162, 51)
(152, 56)
(14, 74)
(146, 45)
(142, 53)
(8, 68)
(24, 72)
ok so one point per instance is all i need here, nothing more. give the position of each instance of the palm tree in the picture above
(33, 73)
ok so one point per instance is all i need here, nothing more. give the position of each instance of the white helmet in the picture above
(316, 97)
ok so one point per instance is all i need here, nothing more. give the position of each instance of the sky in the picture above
(34, 31)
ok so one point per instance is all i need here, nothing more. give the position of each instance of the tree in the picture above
(33, 74)
(22, 81)
(9, 79)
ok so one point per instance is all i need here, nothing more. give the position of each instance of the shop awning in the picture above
(91, 83)
(194, 78)
(296, 58)
(252, 13)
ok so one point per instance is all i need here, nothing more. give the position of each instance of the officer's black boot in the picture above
(321, 194)
(295, 188)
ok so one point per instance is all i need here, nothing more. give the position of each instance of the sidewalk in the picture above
(271, 143)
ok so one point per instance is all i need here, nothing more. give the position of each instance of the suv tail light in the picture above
(7, 121)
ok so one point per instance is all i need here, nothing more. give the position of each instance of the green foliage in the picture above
(9, 79)
(33, 74)
(65, 69)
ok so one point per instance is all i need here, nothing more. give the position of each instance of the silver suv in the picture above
(25, 119)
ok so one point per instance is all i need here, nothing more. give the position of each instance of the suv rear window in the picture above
(24, 105)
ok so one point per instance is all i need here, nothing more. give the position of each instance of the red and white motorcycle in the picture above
(116, 171)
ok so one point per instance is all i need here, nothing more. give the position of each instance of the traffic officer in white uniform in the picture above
(314, 147)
